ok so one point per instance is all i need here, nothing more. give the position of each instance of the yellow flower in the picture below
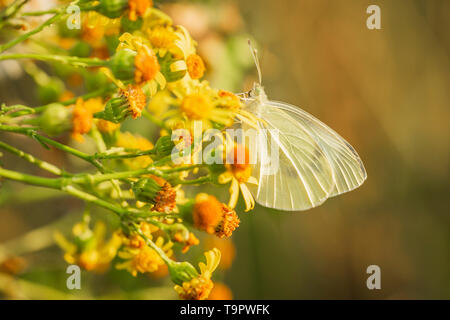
(239, 174)
(214, 217)
(89, 250)
(200, 287)
(138, 256)
(147, 68)
(127, 140)
(198, 102)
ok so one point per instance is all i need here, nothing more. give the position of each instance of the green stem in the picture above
(195, 181)
(29, 179)
(31, 159)
(74, 61)
(39, 13)
(25, 36)
(105, 155)
(32, 133)
(93, 199)
(64, 184)
(152, 245)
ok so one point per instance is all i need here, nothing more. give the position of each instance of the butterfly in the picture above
(314, 163)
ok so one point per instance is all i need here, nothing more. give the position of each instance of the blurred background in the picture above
(385, 91)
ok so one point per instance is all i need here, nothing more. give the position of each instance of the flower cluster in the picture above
(134, 64)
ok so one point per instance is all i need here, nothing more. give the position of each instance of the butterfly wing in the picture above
(303, 177)
(348, 170)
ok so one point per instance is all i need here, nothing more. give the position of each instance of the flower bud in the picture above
(55, 119)
(131, 101)
(164, 146)
(122, 64)
(182, 272)
(156, 191)
(146, 190)
(112, 8)
(51, 91)
(116, 110)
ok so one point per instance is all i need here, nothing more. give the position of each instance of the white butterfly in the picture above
(315, 163)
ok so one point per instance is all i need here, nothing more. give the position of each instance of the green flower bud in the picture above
(122, 64)
(146, 190)
(182, 272)
(164, 146)
(55, 119)
(112, 8)
(116, 110)
(50, 92)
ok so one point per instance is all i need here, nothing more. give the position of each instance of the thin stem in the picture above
(152, 245)
(32, 133)
(31, 159)
(39, 13)
(105, 155)
(194, 181)
(25, 36)
(29, 179)
(93, 199)
(74, 61)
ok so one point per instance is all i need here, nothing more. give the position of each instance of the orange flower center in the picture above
(136, 99)
(147, 65)
(213, 216)
(197, 106)
(240, 167)
(195, 66)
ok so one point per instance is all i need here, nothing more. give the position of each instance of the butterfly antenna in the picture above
(255, 58)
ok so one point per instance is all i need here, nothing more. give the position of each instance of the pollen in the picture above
(136, 99)
(195, 66)
(213, 216)
(165, 200)
(230, 221)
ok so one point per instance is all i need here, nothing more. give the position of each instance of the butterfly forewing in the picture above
(347, 167)
(302, 178)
